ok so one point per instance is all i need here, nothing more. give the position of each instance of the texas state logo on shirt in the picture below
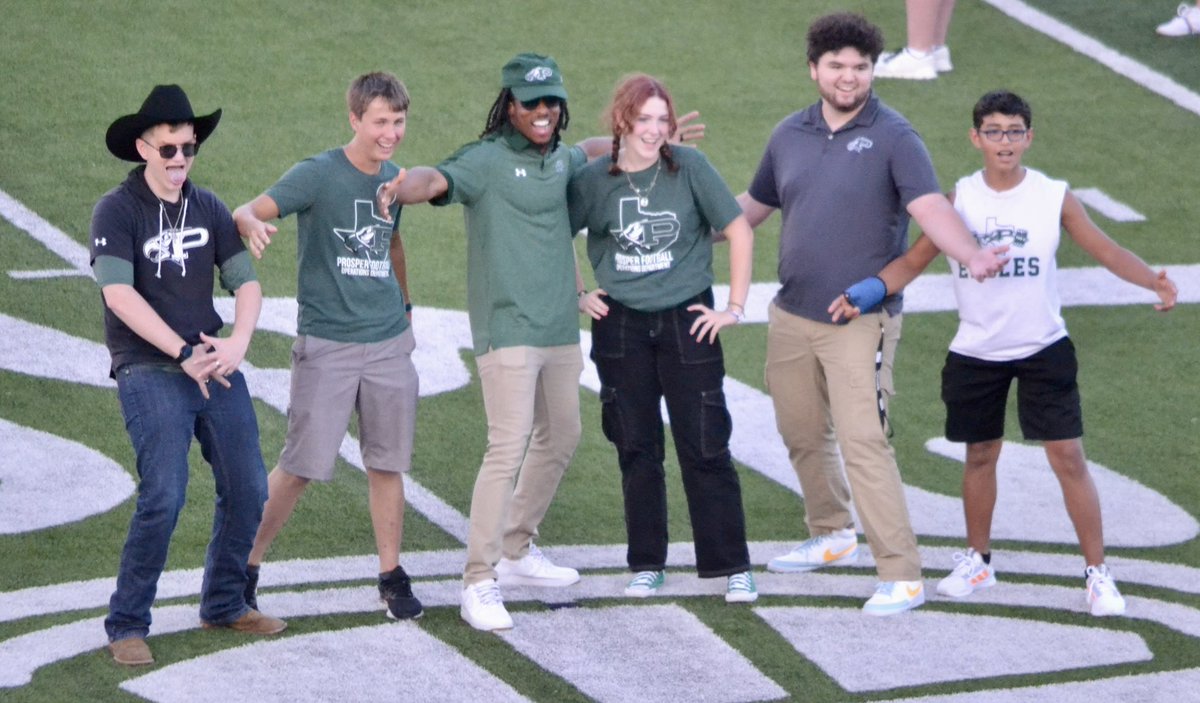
(366, 243)
(644, 238)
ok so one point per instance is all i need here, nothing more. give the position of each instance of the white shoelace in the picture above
(489, 594)
(742, 582)
(536, 554)
(964, 563)
(644, 579)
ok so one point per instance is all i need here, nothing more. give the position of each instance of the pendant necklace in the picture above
(162, 215)
(644, 195)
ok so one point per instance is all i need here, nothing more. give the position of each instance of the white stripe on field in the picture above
(1121, 64)
(52, 237)
(1100, 201)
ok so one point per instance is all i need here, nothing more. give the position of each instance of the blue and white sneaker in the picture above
(839, 548)
(892, 597)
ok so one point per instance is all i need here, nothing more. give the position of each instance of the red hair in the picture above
(630, 95)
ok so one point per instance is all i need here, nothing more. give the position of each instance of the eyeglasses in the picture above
(167, 151)
(550, 100)
(995, 135)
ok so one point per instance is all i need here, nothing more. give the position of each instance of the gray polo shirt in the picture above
(843, 196)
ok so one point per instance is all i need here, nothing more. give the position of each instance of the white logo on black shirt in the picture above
(172, 245)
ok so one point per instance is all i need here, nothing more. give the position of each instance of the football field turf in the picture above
(1116, 114)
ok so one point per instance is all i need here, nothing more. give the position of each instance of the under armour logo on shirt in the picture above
(102, 241)
(519, 172)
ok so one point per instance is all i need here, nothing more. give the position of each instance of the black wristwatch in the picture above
(184, 354)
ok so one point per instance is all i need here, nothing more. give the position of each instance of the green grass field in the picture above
(279, 71)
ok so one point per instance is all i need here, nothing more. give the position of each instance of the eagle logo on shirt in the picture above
(643, 231)
(367, 239)
(996, 234)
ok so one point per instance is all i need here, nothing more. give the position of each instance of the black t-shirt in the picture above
(174, 249)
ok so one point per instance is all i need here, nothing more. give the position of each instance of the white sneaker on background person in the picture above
(908, 65)
(1185, 22)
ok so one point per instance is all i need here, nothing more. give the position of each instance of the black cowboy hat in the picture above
(166, 104)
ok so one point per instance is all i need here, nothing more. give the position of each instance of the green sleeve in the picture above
(112, 270)
(236, 270)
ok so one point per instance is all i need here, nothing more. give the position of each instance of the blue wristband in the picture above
(867, 293)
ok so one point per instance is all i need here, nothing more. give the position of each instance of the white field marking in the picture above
(47, 480)
(839, 640)
(1146, 688)
(22, 656)
(1099, 201)
(50, 236)
(1120, 64)
(678, 657)
(185, 583)
(39, 351)
(364, 658)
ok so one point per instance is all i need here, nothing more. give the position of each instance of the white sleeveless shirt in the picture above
(1017, 313)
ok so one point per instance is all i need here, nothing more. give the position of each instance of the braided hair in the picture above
(630, 95)
(498, 117)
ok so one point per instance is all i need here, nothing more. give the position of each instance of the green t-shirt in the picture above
(654, 252)
(520, 261)
(347, 291)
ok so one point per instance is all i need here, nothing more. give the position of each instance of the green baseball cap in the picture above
(532, 76)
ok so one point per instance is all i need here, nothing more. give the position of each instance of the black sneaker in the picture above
(395, 588)
(251, 593)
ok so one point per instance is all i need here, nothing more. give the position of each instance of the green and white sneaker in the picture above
(741, 588)
(892, 597)
(645, 584)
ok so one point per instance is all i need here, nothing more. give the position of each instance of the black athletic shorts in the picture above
(975, 392)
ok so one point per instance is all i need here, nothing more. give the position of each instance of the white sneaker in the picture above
(941, 59)
(1102, 594)
(893, 597)
(483, 607)
(970, 574)
(741, 588)
(834, 549)
(534, 569)
(645, 584)
(1186, 21)
(907, 64)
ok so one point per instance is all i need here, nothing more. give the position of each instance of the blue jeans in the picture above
(642, 358)
(163, 410)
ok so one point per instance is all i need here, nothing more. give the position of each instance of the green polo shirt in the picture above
(520, 261)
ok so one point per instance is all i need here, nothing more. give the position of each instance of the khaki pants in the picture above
(822, 381)
(531, 396)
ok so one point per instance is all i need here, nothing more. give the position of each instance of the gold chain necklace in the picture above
(644, 195)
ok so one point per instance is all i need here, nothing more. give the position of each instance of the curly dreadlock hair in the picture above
(498, 117)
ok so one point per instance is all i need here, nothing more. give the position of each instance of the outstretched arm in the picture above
(252, 223)
(686, 131)
(1113, 256)
(938, 219)
(419, 184)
